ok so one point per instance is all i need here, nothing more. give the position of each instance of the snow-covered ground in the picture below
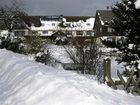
(59, 53)
(25, 82)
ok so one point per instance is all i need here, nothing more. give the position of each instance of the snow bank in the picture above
(137, 4)
(24, 82)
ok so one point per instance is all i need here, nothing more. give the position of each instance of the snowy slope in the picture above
(24, 82)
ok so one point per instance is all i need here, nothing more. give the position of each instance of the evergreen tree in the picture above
(127, 24)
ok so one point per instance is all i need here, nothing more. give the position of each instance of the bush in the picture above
(16, 44)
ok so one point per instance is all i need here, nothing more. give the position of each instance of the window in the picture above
(68, 24)
(89, 32)
(34, 32)
(45, 32)
(69, 32)
(53, 24)
(79, 32)
(53, 31)
(104, 29)
(110, 29)
(19, 33)
(88, 24)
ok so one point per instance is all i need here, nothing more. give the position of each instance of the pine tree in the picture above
(127, 24)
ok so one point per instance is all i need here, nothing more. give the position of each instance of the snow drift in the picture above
(24, 82)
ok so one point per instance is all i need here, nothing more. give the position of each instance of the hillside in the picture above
(25, 82)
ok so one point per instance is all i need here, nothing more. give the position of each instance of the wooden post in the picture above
(107, 73)
(107, 68)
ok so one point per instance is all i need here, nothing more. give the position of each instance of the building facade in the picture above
(46, 26)
(71, 26)
(102, 27)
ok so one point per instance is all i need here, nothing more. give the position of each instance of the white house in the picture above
(46, 26)
(71, 25)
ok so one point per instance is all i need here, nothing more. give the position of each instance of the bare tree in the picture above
(11, 15)
(85, 55)
(10, 18)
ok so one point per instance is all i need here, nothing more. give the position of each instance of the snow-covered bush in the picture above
(137, 4)
(15, 44)
(43, 57)
(61, 40)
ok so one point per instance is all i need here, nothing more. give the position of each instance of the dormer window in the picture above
(88, 24)
(45, 32)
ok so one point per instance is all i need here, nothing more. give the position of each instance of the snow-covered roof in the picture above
(77, 24)
(76, 18)
(105, 16)
(51, 18)
(100, 19)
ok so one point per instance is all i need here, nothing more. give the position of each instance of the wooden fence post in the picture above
(107, 73)
(107, 68)
(130, 85)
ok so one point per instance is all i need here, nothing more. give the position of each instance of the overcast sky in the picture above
(64, 7)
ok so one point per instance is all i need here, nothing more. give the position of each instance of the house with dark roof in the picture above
(102, 27)
(18, 28)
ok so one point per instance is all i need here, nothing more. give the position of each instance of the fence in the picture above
(129, 84)
(100, 70)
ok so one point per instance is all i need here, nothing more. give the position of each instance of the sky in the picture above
(63, 7)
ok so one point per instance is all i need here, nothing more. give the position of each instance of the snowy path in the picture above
(24, 82)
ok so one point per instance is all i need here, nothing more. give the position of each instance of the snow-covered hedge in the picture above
(137, 4)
